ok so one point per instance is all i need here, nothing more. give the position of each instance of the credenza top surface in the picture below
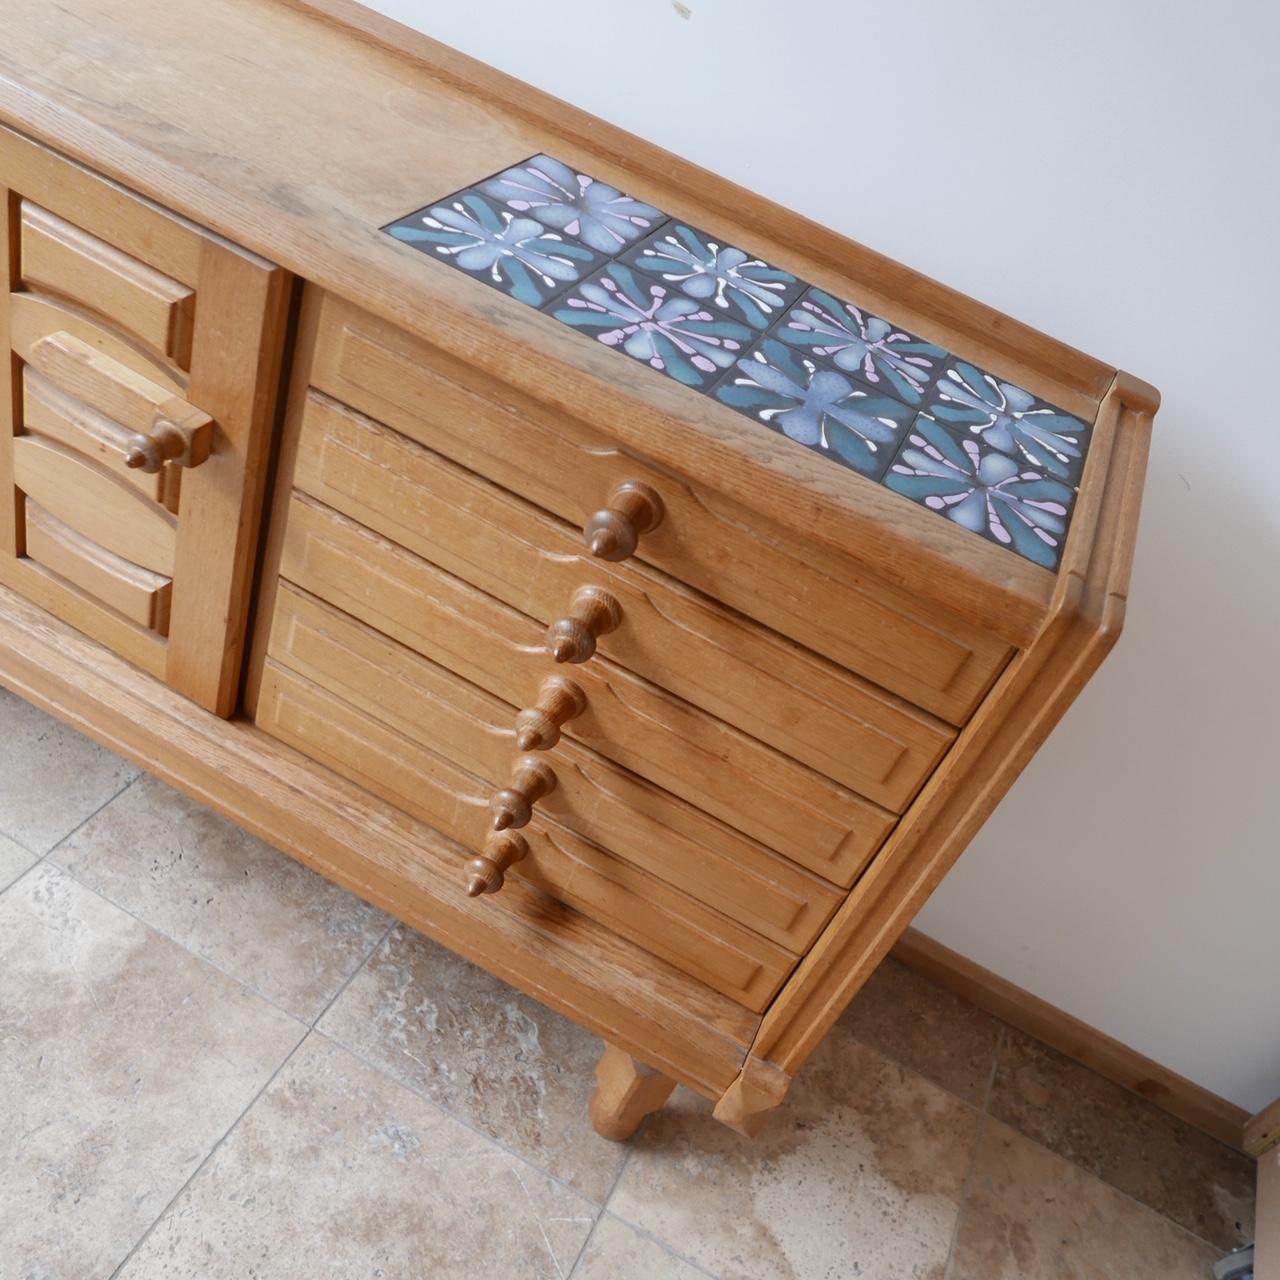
(300, 130)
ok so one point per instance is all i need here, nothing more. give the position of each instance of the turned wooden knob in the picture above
(169, 441)
(512, 806)
(486, 874)
(538, 726)
(614, 533)
(592, 612)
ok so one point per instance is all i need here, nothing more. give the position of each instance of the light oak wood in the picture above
(626, 1091)
(387, 105)
(57, 416)
(639, 822)
(695, 938)
(1027, 701)
(791, 809)
(63, 260)
(229, 397)
(132, 591)
(96, 504)
(1085, 1044)
(826, 601)
(150, 411)
(705, 653)
(731, 735)
(376, 850)
(1262, 1132)
(751, 1099)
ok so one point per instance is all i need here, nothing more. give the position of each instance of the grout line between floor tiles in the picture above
(453, 1115)
(351, 977)
(177, 942)
(213, 1150)
(646, 1234)
(61, 840)
(604, 1206)
(984, 1115)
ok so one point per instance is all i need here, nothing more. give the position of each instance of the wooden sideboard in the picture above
(634, 586)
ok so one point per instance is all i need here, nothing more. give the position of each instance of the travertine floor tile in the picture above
(944, 1038)
(860, 1176)
(124, 1060)
(14, 860)
(481, 1050)
(51, 778)
(1144, 1151)
(256, 913)
(1032, 1216)
(337, 1171)
(617, 1251)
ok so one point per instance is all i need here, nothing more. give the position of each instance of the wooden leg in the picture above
(748, 1102)
(626, 1092)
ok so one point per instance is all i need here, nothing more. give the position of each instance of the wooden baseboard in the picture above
(1262, 1132)
(1087, 1045)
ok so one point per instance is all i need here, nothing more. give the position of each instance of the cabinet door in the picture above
(135, 417)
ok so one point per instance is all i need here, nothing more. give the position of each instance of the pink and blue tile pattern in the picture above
(820, 370)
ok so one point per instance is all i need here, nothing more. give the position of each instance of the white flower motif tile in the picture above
(825, 372)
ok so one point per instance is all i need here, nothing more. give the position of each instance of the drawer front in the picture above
(593, 797)
(647, 730)
(60, 259)
(637, 906)
(717, 660)
(135, 413)
(826, 602)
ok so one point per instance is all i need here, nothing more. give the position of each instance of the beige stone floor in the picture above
(214, 1064)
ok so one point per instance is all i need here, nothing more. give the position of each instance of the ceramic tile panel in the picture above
(983, 490)
(727, 280)
(818, 407)
(864, 346)
(824, 371)
(647, 320)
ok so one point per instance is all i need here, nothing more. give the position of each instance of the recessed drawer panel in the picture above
(714, 658)
(746, 784)
(59, 258)
(138, 594)
(592, 796)
(817, 597)
(636, 905)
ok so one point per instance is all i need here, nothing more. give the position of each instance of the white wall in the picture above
(1107, 171)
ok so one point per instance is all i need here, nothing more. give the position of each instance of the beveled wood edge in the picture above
(1262, 1132)
(832, 505)
(1026, 702)
(400, 865)
(1087, 1045)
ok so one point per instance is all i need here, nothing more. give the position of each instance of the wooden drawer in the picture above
(714, 658)
(593, 797)
(125, 330)
(827, 602)
(638, 906)
(715, 767)
(60, 259)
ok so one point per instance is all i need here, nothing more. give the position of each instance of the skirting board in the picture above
(1094, 1049)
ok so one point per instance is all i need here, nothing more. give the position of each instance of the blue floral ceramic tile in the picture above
(864, 346)
(704, 268)
(1009, 419)
(582, 208)
(983, 490)
(518, 255)
(818, 407)
(670, 332)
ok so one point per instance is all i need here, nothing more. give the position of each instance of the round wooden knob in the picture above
(163, 443)
(614, 533)
(512, 806)
(487, 873)
(538, 726)
(592, 612)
